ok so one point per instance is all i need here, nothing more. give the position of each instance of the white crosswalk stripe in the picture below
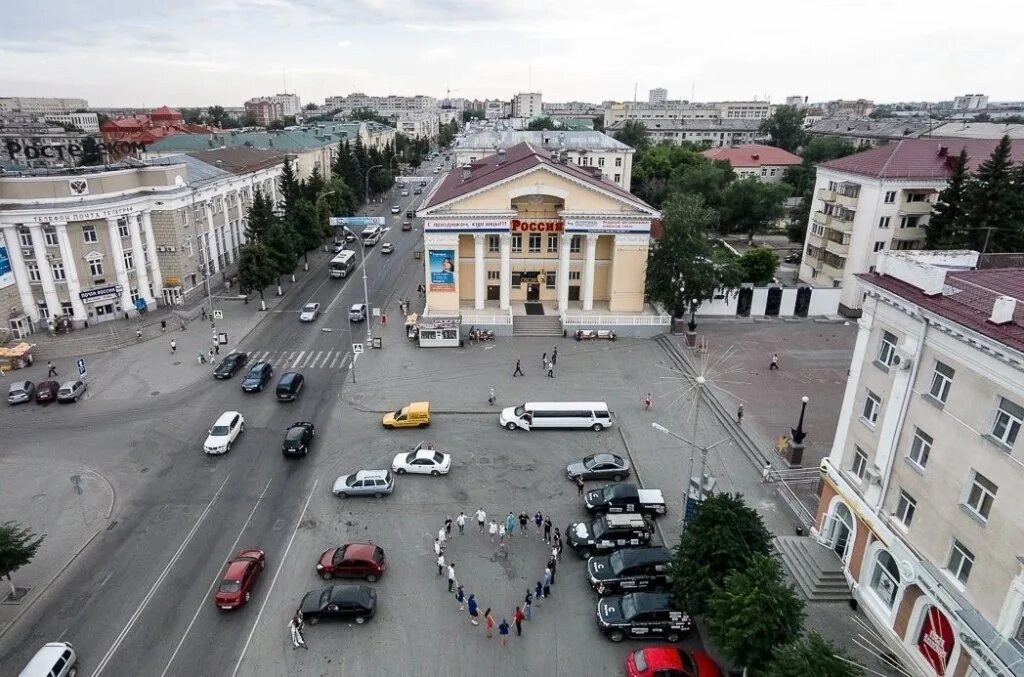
(296, 362)
(305, 359)
(334, 360)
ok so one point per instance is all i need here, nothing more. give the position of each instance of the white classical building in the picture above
(41, 105)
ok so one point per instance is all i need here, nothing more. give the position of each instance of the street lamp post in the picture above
(366, 289)
(798, 431)
(703, 464)
(316, 208)
(367, 193)
(794, 453)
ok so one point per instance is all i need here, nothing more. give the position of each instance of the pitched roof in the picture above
(930, 158)
(888, 129)
(291, 140)
(240, 160)
(753, 155)
(519, 159)
(548, 140)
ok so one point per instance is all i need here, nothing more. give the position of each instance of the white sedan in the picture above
(225, 431)
(309, 312)
(387, 248)
(423, 460)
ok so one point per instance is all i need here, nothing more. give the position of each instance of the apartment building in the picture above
(420, 124)
(41, 105)
(767, 164)
(25, 144)
(921, 492)
(877, 200)
(657, 95)
(645, 111)
(527, 105)
(386, 106)
(264, 110)
(971, 102)
(712, 132)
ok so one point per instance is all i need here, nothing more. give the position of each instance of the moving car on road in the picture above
(71, 391)
(224, 432)
(339, 603)
(289, 386)
(599, 467)
(642, 614)
(374, 483)
(395, 209)
(406, 225)
(258, 377)
(630, 569)
(608, 533)
(357, 313)
(230, 365)
(667, 661)
(309, 312)
(47, 392)
(20, 391)
(410, 214)
(355, 560)
(56, 659)
(422, 460)
(405, 193)
(413, 415)
(387, 248)
(297, 438)
(624, 498)
(239, 579)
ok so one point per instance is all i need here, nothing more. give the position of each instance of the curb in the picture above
(640, 482)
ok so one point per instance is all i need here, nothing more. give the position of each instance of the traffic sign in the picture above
(218, 314)
(81, 367)
(356, 221)
(357, 348)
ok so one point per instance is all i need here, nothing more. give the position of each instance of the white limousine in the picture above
(593, 415)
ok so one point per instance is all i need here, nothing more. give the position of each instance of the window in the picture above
(517, 243)
(879, 246)
(25, 237)
(886, 349)
(493, 274)
(517, 280)
(1008, 421)
(860, 463)
(33, 271)
(618, 177)
(534, 243)
(909, 221)
(552, 243)
(549, 280)
(774, 171)
(942, 379)
(960, 561)
(981, 496)
(618, 163)
(575, 244)
(493, 243)
(122, 228)
(574, 276)
(57, 268)
(884, 222)
(135, 294)
(50, 236)
(764, 171)
(872, 403)
(920, 447)
(129, 260)
(188, 245)
(890, 197)
(600, 162)
(906, 506)
(96, 267)
(885, 578)
(89, 234)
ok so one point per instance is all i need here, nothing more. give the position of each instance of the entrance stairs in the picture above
(817, 571)
(536, 325)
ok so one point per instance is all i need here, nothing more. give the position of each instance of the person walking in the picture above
(461, 521)
(547, 529)
(554, 355)
(493, 531)
(538, 592)
(510, 524)
(524, 519)
(210, 356)
(440, 564)
(490, 397)
(547, 590)
(295, 628)
(473, 610)
(739, 414)
(200, 358)
(547, 578)
(488, 623)
(551, 369)
(447, 525)
(538, 520)
(647, 402)
(216, 347)
(460, 597)
(518, 617)
(553, 564)
(481, 519)
(528, 605)
(451, 576)
(775, 363)
(174, 346)
(544, 360)
(519, 370)
(437, 548)
(503, 632)
(766, 472)
(558, 542)
(501, 534)
(441, 536)
(204, 313)
(579, 485)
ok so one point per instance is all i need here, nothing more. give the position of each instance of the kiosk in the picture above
(440, 332)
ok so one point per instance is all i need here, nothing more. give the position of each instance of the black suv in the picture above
(230, 365)
(630, 569)
(258, 377)
(646, 615)
(298, 438)
(609, 532)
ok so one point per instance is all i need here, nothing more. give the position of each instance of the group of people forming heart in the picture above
(541, 590)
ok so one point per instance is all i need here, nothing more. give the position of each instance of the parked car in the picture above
(239, 579)
(374, 483)
(357, 313)
(354, 560)
(297, 438)
(339, 603)
(608, 533)
(310, 312)
(642, 615)
(665, 661)
(423, 183)
(422, 460)
(230, 365)
(624, 498)
(395, 209)
(47, 392)
(406, 225)
(593, 334)
(224, 432)
(387, 248)
(258, 377)
(599, 467)
(795, 257)
(412, 415)
(418, 191)
(55, 659)
(70, 391)
(630, 569)
(20, 391)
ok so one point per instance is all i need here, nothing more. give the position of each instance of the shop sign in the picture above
(85, 215)
(477, 225)
(171, 281)
(63, 151)
(442, 270)
(607, 226)
(100, 293)
(936, 640)
(532, 226)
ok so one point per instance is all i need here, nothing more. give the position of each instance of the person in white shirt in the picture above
(461, 521)
(481, 519)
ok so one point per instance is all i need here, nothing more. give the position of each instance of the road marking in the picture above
(288, 359)
(296, 362)
(273, 582)
(323, 361)
(206, 597)
(335, 360)
(311, 360)
(343, 362)
(259, 358)
(152, 591)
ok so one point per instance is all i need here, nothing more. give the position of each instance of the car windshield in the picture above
(350, 480)
(598, 529)
(617, 562)
(400, 413)
(438, 457)
(230, 586)
(520, 410)
(628, 606)
(309, 307)
(639, 661)
(219, 430)
(294, 434)
(588, 461)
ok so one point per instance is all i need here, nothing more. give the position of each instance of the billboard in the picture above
(356, 221)
(442, 270)
(6, 274)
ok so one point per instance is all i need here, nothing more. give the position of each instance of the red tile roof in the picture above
(518, 159)
(967, 300)
(924, 158)
(753, 155)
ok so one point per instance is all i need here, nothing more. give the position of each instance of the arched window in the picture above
(885, 578)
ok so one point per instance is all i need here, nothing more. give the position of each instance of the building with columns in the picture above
(89, 245)
(526, 230)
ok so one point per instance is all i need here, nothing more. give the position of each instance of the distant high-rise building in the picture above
(289, 103)
(657, 95)
(796, 101)
(970, 102)
(264, 109)
(527, 105)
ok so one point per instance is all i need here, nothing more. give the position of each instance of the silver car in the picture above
(310, 311)
(374, 483)
(71, 391)
(20, 391)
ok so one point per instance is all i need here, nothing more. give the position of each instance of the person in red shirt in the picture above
(518, 618)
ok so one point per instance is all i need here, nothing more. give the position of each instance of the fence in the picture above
(616, 320)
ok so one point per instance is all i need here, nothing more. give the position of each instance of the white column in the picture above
(45, 273)
(229, 234)
(154, 262)
(479, 288)
(563, 271)
(139, 258)
(589, 265)
(71, 272)
(117, 253)
(212, 249)
(506, 271)
(28, 301)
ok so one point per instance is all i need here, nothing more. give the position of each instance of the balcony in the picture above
(905, 234)
(832, 271)
(821, 218)
(840, 226)
(837, 248)
(846, 200)
(816, 240)
(826, 195)
(813, 254)
(915, 208)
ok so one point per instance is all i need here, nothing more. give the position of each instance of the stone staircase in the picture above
(536, 325)
(817, 571)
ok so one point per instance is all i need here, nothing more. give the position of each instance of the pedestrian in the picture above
(739, 414)
(488, 623)
(518, 617)
(493, 531)
(551, 369)
(775, 362)
(481, 519)
(558, 542)
(647, 402)
(437, 548)
(295, 627)
(440, 564)
(50, 370)
(490, 397)
(524, 519)
(528, 605)
(538, 520)
(201, 358)
(163, 326)
(503, 632)
(510, 524)
(460, 597)
(174, 346)
(216, 347)
(501, 534)
(547, 529)
(579, 485)
(547, 578)
(447, 526)
(451, 576)
(538, 592)
(138, 334)
(766, 471)
(441, 535)
(554, 355)
(461, 521)
(547, 590)
(544, 360)
(474, 613)
(553, 564)
(204, 313)
(519, 370)
(211, 356)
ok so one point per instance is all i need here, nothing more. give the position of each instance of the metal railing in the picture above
(619, 320)
(472, 318)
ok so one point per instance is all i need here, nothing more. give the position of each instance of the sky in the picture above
(196, 52)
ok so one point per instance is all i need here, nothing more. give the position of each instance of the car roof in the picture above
(236, 569)
(226, 417)
(648, 601)
(346, 593)
(361, 551)
(259, 365)
(371, 474)
(21, 384)
(605, 457)
(311, 305)
(425, 453)
(42, 662)
(47, 384)
(635, 556)
(358, 305)
(625, 519)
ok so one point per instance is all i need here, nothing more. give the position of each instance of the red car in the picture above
(47, 392)
(239, 579)
(667, 661)
(355, 560)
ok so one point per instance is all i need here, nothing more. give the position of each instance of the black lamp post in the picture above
(692, 325)
(798, 431)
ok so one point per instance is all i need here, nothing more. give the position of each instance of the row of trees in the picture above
(725, 571)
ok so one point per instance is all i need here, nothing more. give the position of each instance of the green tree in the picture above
(18, 545)
(471, 113)
(337, 200)
(992, 199)
(314, 185)
(310, 106)
(662, 170)
(759, 265)
(290, 186)
(753, 611)
(785, 128)
(633, 133)
(259, 217)
(949, 223)
(192, 115)
(724, 536)
(810, 656)
(247, 120)
(750, 206)
(599, 124)
(218, 116)
(542, 124)
(283, 249)
(255, 269)
(303, 221)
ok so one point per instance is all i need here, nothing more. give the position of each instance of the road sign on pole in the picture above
(218, 314)
(81, 367)
(357, 348)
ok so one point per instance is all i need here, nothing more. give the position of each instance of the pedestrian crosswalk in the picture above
(301, 359)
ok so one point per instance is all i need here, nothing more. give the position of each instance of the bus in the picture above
(371, 235)
(342, 263)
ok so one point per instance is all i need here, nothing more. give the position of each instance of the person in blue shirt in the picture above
(503, 631)
(474, 612)
(510, 523)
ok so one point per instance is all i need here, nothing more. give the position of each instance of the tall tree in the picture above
(810, 656)
(542, 124)
(991, 201)
(18, 545)
(949, 223)
(313, 185)
(759, 265)
(750, 206)
(724, 536)
(283, 249)
(753, 612)
(291, 187)
(308, 233)
(785, 128)
(260, 217)
(633, 133)
(255, 270)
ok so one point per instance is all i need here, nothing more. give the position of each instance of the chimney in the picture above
(501, 155)
(755, 157)
(467, 172)
(943, 151)
(564, 157)
(1002, 310)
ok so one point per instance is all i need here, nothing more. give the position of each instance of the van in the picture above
(414, 415)
(289, 386)
(371, 235)
(56, 659)
(530, 415)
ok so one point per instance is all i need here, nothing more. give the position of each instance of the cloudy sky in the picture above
(196, 52)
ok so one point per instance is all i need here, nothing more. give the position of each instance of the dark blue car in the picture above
(258, 377)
